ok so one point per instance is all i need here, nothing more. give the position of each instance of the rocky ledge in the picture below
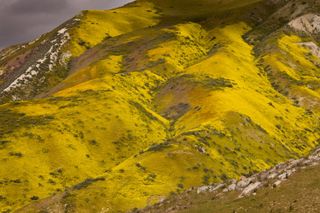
(272, 177)
(247, 186)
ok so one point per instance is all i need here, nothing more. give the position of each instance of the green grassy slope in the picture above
(160, 106)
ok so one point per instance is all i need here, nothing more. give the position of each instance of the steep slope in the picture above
(162, 104)
(28, 70)
(289, 187)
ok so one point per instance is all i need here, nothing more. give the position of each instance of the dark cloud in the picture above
(24, 20)
(37, 6)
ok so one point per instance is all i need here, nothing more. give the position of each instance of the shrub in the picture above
(180, 186)
(206, 179)
(93, 142)
(159, 147)
(151, 177)
(34, 198)
(16, 154)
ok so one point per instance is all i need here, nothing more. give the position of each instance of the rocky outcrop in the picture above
(272, 177)
(309, 23)
(45, 63)
(245, 186)
(25, 70)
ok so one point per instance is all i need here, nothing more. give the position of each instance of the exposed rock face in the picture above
(210, 188)
(26, 75)
(47, 62)
(244, 182)
(309, 23)
(251, 188)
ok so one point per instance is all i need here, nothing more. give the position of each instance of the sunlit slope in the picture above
(96, 26)
(55, 143)
(226, 120)
(223, 125)
(30, 69)
(294, 71)
(156, 110)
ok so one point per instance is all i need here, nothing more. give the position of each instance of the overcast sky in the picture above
(24, 20)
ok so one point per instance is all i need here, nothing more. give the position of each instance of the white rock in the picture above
(291, 171)
(232, 187)
(307, 162)
(294, 163)
(272, 175)
(244, 182)
(251, 188)
(219, 186)
(283, 176)
(63, 30)
(277, 183)
(33, 72)
(309, 23)
(202, 189)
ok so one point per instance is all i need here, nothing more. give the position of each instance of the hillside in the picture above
(116, 110)
(297, 193)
